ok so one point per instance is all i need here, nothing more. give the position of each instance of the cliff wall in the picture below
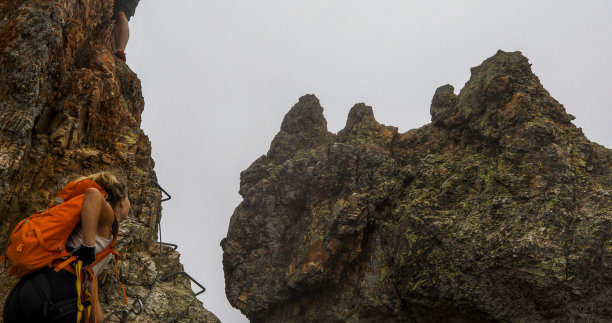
(500, 210)
(68, 108)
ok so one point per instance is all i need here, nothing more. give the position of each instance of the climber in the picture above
(48, 295)
(124, 10)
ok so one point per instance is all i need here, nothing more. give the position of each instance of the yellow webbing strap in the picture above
(78, 287)
(88, 296)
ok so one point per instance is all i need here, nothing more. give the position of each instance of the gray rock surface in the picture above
(500, 210)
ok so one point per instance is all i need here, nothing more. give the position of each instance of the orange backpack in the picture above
(40, 240)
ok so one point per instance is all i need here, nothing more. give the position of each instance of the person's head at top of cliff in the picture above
(124, 10)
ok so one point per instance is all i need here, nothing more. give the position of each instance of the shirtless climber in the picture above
(124, 9)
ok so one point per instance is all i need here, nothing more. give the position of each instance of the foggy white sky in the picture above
(218, 77)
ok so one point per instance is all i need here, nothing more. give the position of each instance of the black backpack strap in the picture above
(33, 297)
(63, 295)
(61, 309)
(43, 289)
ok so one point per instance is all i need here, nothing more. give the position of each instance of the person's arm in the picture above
(96, 215)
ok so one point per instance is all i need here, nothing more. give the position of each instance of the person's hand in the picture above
(85, 253)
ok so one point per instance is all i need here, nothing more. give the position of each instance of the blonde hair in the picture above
(116, 190)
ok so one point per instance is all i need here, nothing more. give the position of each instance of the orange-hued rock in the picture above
(68, 108)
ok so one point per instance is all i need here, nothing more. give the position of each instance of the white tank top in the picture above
(76, 237)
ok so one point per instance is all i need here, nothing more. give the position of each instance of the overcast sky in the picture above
(219, 76)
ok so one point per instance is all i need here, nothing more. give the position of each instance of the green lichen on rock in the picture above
(499, 210)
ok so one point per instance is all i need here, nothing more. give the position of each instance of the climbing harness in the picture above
(138, 305)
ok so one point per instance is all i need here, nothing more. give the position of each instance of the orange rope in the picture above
(117, 257)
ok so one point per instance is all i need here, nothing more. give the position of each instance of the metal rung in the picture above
(162, 189)
(188, 276)
(174, 246)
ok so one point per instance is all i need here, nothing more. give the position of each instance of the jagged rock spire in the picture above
(303, 127)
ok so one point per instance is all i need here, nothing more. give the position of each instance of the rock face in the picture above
(500, 210)
(68, 108)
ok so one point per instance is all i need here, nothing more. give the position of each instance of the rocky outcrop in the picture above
(500, 210)
(68, 108)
